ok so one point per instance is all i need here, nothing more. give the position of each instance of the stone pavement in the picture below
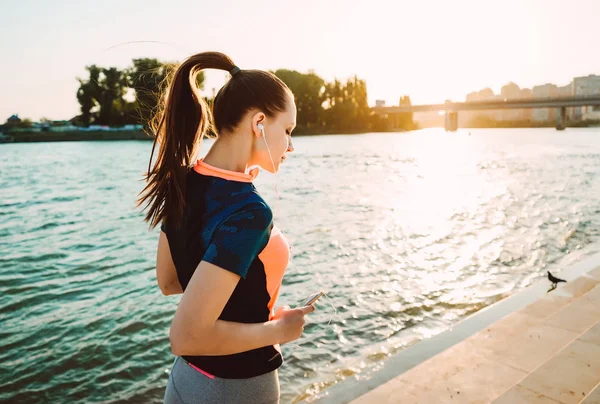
(546, 352)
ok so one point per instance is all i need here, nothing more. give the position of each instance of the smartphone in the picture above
(311, 299)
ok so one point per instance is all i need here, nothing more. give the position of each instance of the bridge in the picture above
(452, 108)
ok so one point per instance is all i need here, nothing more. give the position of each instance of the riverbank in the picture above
(34, 137)
(31, 137)
(534, 346)
(490, 124)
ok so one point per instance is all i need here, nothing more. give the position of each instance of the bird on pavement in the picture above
(554, 281)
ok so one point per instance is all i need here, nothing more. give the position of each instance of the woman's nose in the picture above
(290, 144)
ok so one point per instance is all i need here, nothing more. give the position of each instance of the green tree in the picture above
(347, 106)
(101, 96)
(323, 107)
(25, 123)
(88, 94)
(113, 89)
(309, 90)
(148, 77)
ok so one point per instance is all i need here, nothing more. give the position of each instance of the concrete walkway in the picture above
(546, 352)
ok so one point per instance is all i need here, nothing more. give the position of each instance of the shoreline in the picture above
(72, 136)
(400, 365)
(37, 137)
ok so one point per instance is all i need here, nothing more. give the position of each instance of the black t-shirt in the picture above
(227, 223)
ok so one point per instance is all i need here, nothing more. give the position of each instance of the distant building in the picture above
(487, 94)
(527, 113)
(13, 123)
(548, 90)
(405, 100)
(13, 120)
(465, 117)
(380, 103)
(580, 86)
(586, 86)
(566, 91)
(511, 91)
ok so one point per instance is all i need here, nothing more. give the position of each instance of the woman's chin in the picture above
(269, 167)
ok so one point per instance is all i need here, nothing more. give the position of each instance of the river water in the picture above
(408, 233)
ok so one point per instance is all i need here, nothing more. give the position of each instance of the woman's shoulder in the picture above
(242, 206)
(256, 210)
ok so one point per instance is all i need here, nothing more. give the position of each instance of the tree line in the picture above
(114, 97)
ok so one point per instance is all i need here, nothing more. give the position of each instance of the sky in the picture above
(428, 49)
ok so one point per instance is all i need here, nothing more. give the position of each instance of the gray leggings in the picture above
(188, 386)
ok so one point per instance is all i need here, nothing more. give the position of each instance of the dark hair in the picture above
(183, 119)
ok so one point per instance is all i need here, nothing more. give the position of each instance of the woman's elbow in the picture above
(165, 290)
(170, 288)
(182, 343)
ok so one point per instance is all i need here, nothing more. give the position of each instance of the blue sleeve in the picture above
(239, 239)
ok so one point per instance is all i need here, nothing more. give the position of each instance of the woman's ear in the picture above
(258, 118)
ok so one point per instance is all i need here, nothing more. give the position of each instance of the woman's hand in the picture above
(290, 322)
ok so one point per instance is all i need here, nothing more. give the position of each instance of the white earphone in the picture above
(261, 127)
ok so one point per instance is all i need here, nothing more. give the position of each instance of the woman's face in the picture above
(278, 137)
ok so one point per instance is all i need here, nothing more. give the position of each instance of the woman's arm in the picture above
(196, 329)
(166, 275)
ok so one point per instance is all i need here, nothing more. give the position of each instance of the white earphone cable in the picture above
(262, 129)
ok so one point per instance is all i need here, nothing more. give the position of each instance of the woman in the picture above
(218, 245)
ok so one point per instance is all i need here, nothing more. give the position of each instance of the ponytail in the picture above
(178, 127)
